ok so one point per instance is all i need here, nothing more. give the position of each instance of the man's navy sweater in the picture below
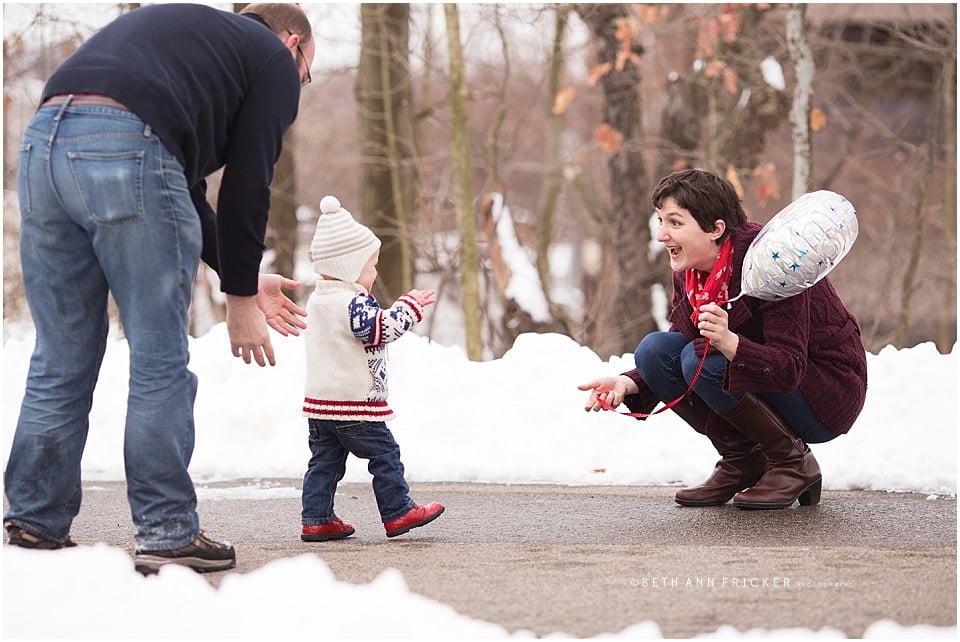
(220, 90)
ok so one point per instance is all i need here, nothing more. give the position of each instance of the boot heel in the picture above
(811, 496)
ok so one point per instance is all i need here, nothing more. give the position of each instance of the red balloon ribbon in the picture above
(644, 415)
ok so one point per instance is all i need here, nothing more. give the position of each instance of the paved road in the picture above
(591, 560)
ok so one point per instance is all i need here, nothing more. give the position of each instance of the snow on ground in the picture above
(518, 419)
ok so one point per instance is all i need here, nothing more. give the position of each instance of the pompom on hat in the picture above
(341, 246)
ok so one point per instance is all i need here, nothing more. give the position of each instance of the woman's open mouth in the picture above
(674, 251)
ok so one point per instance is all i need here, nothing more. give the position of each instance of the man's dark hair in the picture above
(707, 196)
(282, 17)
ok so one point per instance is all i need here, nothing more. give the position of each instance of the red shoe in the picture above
(416, 516)
(337, 529)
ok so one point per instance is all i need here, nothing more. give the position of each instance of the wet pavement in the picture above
(589, 560)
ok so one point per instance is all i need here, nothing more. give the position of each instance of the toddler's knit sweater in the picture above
(346, 342)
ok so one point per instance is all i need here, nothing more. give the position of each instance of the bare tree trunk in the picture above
(393, 150)
(742, 137)
(463, 187)
(553, 177)
(620, 310)
(681, 124)
(684, 113)
(683, 118)
(805, 68)
(384, 101)
(429, 63)
(499, 321)
(9, 167)
(919, 218)
(282, 224)
(948, 89)
(496, 184)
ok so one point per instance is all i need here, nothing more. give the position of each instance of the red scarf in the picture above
(716, 287)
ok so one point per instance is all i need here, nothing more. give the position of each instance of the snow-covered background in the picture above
(520, 417)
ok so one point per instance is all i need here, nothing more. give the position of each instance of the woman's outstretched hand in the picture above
(611, 390)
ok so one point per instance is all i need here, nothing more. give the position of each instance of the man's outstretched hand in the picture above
(282, 314)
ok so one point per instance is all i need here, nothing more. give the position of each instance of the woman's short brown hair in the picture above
(705, 195)
(282, 17)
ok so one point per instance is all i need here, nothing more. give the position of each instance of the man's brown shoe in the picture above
(203, 555)
(16, 536)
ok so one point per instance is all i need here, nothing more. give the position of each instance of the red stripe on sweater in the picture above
(411, 303)
(376, 337)
(331, 402)
(346, 413)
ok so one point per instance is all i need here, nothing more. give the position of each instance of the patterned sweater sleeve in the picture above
(376, 327)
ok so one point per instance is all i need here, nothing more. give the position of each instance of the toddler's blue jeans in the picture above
(330, 443)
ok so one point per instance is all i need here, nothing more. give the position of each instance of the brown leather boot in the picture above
(792, 472)
(741, 465)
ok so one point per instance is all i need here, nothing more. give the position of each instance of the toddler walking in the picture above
(346, 387)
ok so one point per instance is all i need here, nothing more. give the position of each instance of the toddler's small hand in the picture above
(424, 297)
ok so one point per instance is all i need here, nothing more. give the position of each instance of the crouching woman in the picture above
(778, 375)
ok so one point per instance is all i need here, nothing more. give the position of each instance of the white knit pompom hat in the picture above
(341, 246)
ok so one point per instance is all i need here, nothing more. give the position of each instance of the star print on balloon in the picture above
(799, 246)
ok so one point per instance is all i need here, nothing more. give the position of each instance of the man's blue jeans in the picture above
(667, 363)
(330, 443)
(105, 208)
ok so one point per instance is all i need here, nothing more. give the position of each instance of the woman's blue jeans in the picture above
(330, 443)
(667, 363)
(105, 208)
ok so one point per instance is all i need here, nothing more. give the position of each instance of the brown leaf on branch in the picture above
(13, 46)
(726, 27)
(626, 32)
(707, 37)
(818, 119)
(714, 69)
(768, 187)
(648, 14)
(608, 138)
(734, 179)
(563, 100)
(730, 80)
(729, 24)
(598, 72)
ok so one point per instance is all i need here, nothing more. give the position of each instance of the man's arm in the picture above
(208, 223)
(243, 202)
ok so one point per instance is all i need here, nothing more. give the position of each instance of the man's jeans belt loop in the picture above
(84, 99)
(96, 100)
